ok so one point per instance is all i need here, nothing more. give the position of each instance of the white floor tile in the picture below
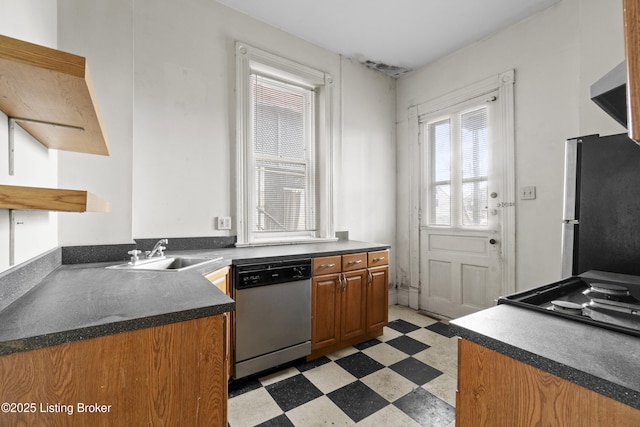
(329, 377)
(252, 408)
(387, 417)
(319, 412)
(385, 354)
(389, 384)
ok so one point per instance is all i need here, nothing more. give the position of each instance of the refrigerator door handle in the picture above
(568, 248)
(570, 179)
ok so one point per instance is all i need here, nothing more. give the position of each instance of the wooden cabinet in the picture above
(496, 390)
(165, 375)
(349, 300)
(632, 54)
(222, 280)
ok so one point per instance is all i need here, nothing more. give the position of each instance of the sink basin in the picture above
(176, 263)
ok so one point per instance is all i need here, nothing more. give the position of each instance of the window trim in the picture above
(250, 60)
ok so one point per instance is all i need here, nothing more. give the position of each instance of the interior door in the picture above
(460, 210)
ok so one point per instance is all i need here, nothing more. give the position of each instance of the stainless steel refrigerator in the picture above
(601, 224)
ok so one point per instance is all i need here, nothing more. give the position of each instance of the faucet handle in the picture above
(134, 255)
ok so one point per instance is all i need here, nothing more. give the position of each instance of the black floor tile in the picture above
(415, 371)
(367, 344)
(402, 326)
(359, 364)
(293, 392)
(442, 329)
(238, 387)
(279, 421)
(357, 400)
(305, 366)
(426, 409)
(407, 345)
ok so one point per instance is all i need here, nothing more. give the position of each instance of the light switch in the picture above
(528, 193)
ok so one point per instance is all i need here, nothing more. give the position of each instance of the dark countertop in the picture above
(598, 359)
(81, 301)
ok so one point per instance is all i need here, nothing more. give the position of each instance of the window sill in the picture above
(275, 242)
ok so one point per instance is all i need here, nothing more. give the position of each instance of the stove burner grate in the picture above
(566, 307)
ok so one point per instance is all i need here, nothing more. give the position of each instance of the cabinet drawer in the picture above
(354, 261)
(326, 265)
(378, 258)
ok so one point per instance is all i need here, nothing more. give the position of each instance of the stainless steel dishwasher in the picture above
(273, 314)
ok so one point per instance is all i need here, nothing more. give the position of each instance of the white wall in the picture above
(557, 54)
(34, 21)
(367, 154)
(101, 31)
(164, 73)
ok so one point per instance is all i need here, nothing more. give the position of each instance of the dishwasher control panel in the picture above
(270, 273)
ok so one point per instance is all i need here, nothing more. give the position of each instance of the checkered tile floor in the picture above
(407, 377)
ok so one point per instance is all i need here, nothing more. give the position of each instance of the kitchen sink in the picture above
(174, 263)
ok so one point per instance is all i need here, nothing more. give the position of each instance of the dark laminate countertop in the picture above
(601, 360)
(80, 301)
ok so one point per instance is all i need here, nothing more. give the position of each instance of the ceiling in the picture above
(392, 36)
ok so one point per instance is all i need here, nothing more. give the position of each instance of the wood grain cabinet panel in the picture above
(326, 308)
(327, 265)
(167, 375)
(496, 390)
(354, 304)
(377, 298)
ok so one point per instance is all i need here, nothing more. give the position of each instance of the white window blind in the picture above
(473, 134)
(283, 156)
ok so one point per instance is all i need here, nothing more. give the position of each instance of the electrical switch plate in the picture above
(528, 193)
(224, 223)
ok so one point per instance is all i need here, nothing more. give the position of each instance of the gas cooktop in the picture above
(608, 300)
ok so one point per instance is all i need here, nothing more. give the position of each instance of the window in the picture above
(284, 150)
(458, 152)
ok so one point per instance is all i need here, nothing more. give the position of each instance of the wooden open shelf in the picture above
(47, 85)
(52, 199)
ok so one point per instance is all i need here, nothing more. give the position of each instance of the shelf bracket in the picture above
(12, 237)
(12, 126)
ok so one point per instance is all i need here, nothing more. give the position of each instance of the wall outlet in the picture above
(528, 193)
(224, 223)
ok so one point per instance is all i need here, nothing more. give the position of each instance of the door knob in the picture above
(493, 241)
(494, 195)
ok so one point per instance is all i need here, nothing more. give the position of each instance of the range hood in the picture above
(610, 93)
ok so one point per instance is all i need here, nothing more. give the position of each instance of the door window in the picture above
(458, 168)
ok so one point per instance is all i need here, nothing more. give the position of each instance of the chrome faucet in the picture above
(158, 248)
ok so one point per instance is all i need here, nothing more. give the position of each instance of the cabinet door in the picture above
(354, 300)
(325, 311)
(377, 298)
